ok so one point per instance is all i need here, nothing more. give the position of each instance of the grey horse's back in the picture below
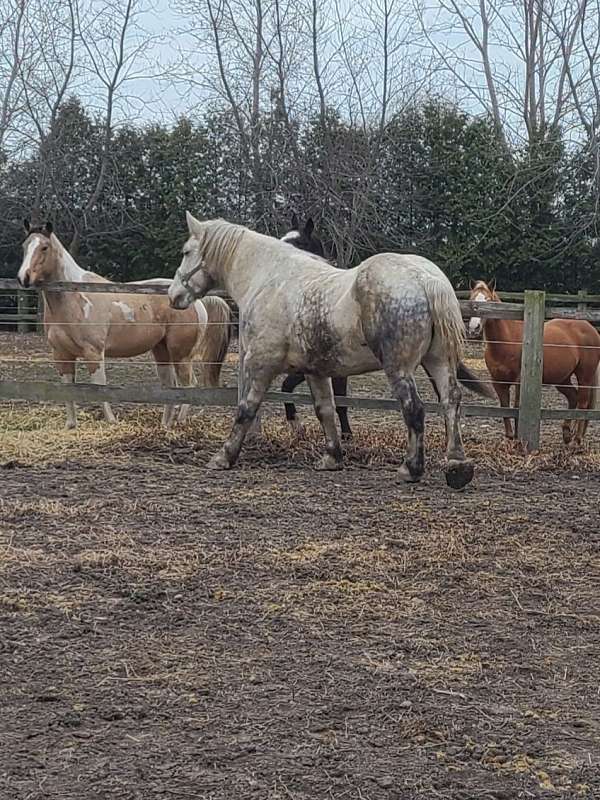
(406, 301)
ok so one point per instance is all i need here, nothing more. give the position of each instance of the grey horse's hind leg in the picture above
(255, 384)
(459, 471)
(405, 391)
(322, 393)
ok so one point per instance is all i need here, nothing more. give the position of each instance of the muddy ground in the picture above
(278, 633)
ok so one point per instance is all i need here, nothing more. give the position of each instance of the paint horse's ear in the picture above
(309, 227)
(26, 225)
(472, 283)
(48, 228)
(295, 222)
(492, 285)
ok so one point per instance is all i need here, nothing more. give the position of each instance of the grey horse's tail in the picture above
(470, 381)
(449, 327)
(447, 318)
(215, 342)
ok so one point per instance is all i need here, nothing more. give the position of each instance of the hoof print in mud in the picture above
(459, 474)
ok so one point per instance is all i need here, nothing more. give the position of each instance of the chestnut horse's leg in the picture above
(340, 389)
(322, 393)
(503, 392)
(585, 394)
(289, 384)
(570, 392)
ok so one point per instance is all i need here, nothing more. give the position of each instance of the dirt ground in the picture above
(277, 633)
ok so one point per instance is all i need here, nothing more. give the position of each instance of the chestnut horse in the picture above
(94, 326)
(571, 348)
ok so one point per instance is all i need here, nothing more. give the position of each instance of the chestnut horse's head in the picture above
(481, 292)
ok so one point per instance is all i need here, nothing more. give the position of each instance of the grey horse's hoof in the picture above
(407, 476)
(328, 462)
(219, 461)
(459, 474)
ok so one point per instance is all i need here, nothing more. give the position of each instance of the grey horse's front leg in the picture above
(255, 384)
(322, 393)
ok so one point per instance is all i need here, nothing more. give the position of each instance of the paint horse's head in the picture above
(192, 279)
(481, 292)
(303, 237)
(39, 259)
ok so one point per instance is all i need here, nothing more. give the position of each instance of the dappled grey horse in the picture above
(392, 312)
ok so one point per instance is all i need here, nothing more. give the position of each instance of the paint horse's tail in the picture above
(215, 342)
(449, 327)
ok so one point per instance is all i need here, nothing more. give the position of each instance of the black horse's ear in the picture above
(48, 228)
(295, 222)
(309, 227)
(26, 225)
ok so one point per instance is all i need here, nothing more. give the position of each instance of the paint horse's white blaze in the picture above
(392, 312)
(32, 246)
(475, 324)
(108, 325)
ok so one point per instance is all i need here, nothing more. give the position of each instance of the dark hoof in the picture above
(408, 476)
(219, 462)
(459, 474)
(346, 437)
(328, 463)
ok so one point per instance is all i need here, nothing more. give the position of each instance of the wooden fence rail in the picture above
(533, 310)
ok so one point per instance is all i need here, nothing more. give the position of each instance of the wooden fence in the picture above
(533, 311)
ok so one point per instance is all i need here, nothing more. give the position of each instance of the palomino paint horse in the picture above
(301, 314)
(92, 327)
(305, 239)
(571, 348)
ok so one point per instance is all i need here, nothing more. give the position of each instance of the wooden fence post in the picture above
(22, 308)
(40, 312)
(582, 304)
(256, 428)
(532, 368)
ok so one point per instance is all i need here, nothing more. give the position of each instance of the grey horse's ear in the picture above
(26, 225)
(192, 223)
(309, 227)
(48, 228)
(295, 222)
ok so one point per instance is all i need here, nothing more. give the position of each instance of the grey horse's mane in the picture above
(221, 239)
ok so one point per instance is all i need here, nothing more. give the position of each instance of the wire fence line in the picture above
(533, 312)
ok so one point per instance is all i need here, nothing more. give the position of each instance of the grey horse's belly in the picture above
(331, 352)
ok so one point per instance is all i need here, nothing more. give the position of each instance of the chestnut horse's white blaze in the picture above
(475, 324)
(92, 327)
(392, 312)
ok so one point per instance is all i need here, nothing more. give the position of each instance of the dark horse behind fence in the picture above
(304, 238)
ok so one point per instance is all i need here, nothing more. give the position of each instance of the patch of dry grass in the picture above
(36, 435)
